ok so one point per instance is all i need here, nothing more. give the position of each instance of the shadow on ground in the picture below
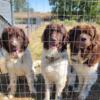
(23, 90)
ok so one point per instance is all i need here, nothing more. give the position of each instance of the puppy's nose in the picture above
(53, 39)
(83, 39)
(14, 48)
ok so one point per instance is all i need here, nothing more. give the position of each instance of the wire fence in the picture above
(69, 19)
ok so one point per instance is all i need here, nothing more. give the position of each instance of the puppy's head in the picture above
(82, 36)
(54, 37)
(14, 41)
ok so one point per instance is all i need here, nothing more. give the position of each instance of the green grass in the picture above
(35, 37)
(36, 43)
(65, 22)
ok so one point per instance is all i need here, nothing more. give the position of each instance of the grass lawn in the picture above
(35, 38)
(35, 47)
(35, 42)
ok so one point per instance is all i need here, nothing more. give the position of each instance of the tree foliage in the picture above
(21, 5)
(76, 9)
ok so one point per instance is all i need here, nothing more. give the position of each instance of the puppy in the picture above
(85, 54)
(17, 60)
(54, 59)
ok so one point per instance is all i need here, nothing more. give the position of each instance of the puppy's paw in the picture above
(76, 89)
(81, 97)
(8, 88)
(33, 91)
(6, 98)
(10, 96)
(59, 98)
(46, 99)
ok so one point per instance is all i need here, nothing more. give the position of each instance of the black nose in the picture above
(83, 39)
(14, 48)
(53, 39)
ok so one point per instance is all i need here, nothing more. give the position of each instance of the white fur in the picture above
(21, 66)
(71, 77)
(3, 68)
(54, 72)
(87, 77)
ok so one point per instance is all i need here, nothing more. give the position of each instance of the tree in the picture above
(21, 5)
(77, 9)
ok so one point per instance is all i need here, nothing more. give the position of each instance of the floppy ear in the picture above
(25, 40)
(45, 37)
(0, 42)
(45, 33)
(5, 38)
(65, 37)
(94, 58)
(72, 33)
(94, 31)
(95, 50)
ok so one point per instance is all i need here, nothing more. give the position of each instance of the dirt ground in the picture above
(22, 92)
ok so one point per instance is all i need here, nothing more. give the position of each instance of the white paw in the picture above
(76, 89)
(1, 94)
(10, 96)
(5, 98)
(8, 88)
(59, 98)
(32, 99)
(81, 97)
(67, 93)
(46, 99)
(33, 91)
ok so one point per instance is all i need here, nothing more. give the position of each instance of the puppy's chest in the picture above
(14, 64)
(81, 67)
(56, 66)
(56, 70)
(16, 67)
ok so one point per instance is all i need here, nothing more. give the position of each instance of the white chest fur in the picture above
(87, 76)
(22, 66)
(19, 66)
(83, 68)
(55, 70)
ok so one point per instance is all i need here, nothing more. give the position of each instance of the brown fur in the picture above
(13, 32)
(92, 52)
(59, 31)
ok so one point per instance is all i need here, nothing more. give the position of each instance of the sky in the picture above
(40, 5)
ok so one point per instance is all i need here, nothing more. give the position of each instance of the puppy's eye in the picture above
(10, 35)
(58, 30)
(51, 30)
(19, 37)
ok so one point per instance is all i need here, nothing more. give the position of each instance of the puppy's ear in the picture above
(95, 57)
(25, 40)
(65, 34)
(95, 38)
(45, 36)
(72, 34)
(45, 33)
(65, 37)
(0, 42)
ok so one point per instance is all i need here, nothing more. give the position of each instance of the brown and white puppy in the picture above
(54, 59)
(85, 52)
(16, 56)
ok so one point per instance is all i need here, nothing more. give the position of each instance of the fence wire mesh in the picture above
(66, 12)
